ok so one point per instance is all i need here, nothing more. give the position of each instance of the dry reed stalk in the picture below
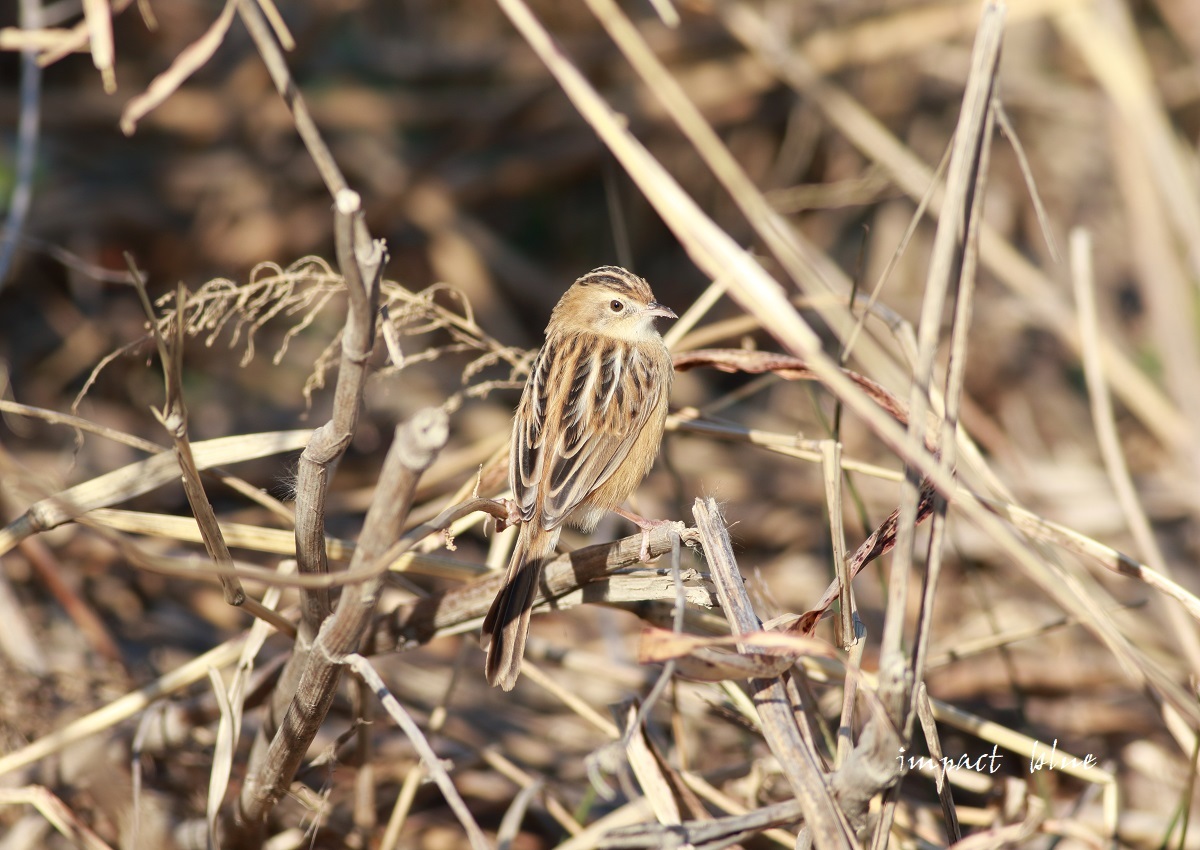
(1036, 288)
(308, 682)
(773, 701)
(977, 489)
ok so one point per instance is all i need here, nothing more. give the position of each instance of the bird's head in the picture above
(610, 301)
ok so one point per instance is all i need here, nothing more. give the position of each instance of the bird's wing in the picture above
(605, 395)
(583, 407)
(525, 458)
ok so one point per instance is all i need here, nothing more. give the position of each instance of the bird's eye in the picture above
(616, 306)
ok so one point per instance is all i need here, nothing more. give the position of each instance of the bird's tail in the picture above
(507, 622)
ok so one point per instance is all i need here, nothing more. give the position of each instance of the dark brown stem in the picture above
(414, 449)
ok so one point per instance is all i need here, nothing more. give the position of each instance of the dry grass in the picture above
(933, 449)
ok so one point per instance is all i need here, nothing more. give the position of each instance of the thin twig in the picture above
(945, 267)
(174, 418)
(1104, 420)
(964, 303)
(429, 759)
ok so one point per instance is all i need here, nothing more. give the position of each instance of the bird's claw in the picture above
(648, 526)
(512, 515)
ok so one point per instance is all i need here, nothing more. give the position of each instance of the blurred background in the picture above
(485, 183)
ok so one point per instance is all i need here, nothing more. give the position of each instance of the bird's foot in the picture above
(513, 515)
(646, 526)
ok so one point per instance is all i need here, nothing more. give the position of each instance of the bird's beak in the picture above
(656, 309)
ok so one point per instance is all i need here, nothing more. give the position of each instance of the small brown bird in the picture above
(585, 434)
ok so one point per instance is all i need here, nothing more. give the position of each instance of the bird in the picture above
(585, 433)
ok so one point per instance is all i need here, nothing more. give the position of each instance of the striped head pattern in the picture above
(609, 301)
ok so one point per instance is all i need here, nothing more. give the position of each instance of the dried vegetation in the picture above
(936, 266)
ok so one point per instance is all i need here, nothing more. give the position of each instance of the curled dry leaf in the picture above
(881, 541)
(785, 366)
